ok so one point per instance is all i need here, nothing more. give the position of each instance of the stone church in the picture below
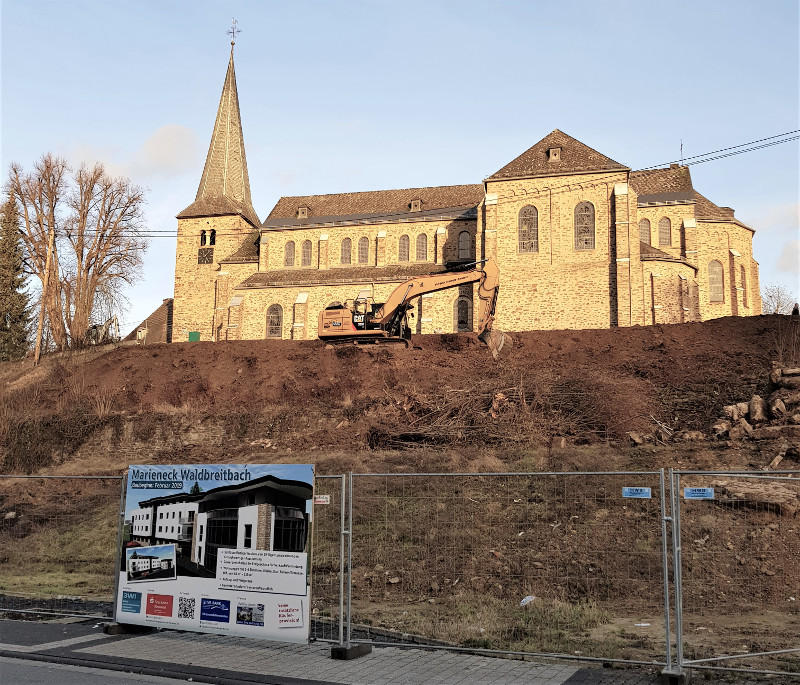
(581, 241)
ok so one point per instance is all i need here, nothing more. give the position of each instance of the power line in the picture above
(711, 156)
(733, 147)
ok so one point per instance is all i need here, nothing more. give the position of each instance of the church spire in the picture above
(225, 185)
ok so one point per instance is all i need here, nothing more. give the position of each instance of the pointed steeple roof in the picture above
(574, 158)
(225, 186)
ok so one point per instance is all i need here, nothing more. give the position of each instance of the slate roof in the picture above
(337, 276)
(575, 158)
(225, 185)
(247, 251)
(158, 325)
(675, 180)
(705, 210)
(373, 202)
(646, 251)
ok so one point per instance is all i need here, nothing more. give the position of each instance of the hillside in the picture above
(563, 388)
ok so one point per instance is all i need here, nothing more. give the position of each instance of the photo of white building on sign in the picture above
(263, 513)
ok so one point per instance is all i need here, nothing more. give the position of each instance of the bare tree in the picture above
(777, 299)
(99, 244)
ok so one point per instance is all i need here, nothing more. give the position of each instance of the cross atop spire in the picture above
(225, 184)
(233, 31)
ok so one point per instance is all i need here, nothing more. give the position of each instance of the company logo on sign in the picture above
(131, 602)
(218, 610)
(159, 605)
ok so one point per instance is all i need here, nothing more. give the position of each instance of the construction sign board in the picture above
(218, 549)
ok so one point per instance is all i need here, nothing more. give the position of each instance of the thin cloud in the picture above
(171, 150)
(779, 217)
(790, 257)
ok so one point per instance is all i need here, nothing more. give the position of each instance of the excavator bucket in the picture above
(494, 339)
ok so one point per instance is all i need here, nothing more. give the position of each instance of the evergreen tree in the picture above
(196, 489)
(14, 305)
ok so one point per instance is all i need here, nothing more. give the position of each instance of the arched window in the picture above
(288, 254)
(716, 292)
(403, 249)
(528, 230)
(202, 238)
(464, 245)
(363, 250)
(743, 279)
(346, 249)
(584, 226)
(644, 231)
(664, 231)
(422, 247)
(305, 254)
(462, 314)
(275, 321)
(212, 237)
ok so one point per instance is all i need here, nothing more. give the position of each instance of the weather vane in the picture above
(233, 31)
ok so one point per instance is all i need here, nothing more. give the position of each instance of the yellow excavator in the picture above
(364, 321)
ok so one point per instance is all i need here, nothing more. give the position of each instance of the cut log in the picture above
(784, 499)
(758, 409)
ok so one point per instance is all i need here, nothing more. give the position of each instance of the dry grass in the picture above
(61, 554)
(486, 622)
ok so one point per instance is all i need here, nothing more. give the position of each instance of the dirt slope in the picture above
(586, 386)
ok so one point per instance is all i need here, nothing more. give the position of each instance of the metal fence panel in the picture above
(327, 560)
(58, 544)
(533, 563)
(738, 588)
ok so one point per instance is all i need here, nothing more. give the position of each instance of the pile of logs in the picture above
(777, 416)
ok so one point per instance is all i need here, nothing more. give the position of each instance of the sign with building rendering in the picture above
(218, 548)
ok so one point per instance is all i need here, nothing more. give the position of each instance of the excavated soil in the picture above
(553, 401)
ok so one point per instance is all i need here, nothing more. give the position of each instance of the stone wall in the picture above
(196, 299)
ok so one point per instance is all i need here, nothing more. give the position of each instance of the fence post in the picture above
(665, 564)
(342, 533)
(349, 555)
(120, 526)
(348, 650)
(676, 675)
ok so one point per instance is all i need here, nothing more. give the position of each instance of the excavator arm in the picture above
(487, 273)
(387, 322)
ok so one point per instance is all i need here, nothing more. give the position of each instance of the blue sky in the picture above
(349, 96)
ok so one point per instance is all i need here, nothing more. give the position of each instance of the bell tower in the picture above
(216, 224)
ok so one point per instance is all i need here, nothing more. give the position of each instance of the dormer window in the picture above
(554, 154)
(415, 206)
(302, 212)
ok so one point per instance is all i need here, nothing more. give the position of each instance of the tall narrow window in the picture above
(403, 249)
(212, 237)
(288, 254)
(363, 250)
(528, 230)
(347, 246)
(584, 226)
(463, 314)
(306, 253)
(743, 280)
(664, 231)
(716, 292)
(644, 231)
(275, 321)
(464, 245)
(422, 247)
(202, 238)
